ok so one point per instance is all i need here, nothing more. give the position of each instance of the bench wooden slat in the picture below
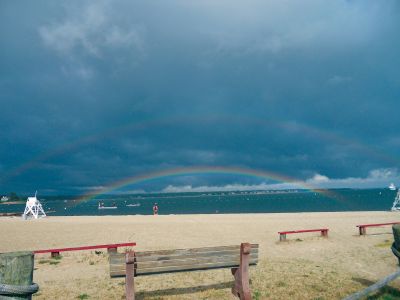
(120, 257)
(170, 269)
(176, 262)
(191, 250)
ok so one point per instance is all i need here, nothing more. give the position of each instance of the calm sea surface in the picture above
(218, 202)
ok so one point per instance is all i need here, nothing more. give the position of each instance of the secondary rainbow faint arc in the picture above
(304, 129)
(199, 170)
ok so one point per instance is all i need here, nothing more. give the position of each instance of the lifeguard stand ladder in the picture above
(33, 208)
(396, 202)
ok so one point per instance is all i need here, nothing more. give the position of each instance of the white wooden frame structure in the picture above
(33, 208)
(396, 202)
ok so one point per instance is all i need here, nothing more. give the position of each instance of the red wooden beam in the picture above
(301, 231)
(379, 224)
(363, 231)
(282, 234)
(108, 246)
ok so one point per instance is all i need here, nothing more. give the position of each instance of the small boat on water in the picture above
(133, 205)
(101, 206)
(392, 187)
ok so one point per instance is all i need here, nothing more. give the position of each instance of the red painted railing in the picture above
(56, 252)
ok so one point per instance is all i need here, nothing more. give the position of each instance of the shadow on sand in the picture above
(386, 293)
(182, 291)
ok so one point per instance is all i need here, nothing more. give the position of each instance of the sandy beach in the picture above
(307, 266)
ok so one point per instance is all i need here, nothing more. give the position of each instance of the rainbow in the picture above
(199, 170)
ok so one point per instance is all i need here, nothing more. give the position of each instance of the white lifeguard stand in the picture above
(33, 208)
(396, 202)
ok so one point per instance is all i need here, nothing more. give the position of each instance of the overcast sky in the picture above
(92, 92)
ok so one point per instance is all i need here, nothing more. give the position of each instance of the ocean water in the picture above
(220, 202)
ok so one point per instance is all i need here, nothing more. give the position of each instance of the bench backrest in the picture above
(178, 260)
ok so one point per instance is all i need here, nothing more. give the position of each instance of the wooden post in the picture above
(130, 275)
(112, 250)
(241, 288)
(396, 235)
(16, 269)
(363, 230)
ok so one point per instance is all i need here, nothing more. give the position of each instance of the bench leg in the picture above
(363, 230)
(129, 275)
(55, 254)
(324, 233)
(112, 250)
(241, 288)
(282, 237)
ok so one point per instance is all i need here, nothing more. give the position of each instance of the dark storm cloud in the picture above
(94, 92)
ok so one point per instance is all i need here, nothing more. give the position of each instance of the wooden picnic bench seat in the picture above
(110, 248)
(237, 257)
(282, 234)
(363, 228)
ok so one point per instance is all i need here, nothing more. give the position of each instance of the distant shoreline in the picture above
(13, 214)
(13, 202)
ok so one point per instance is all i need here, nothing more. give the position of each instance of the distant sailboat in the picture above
(392, 187)
(101, 206)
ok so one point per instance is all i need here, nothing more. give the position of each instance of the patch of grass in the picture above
(91, 262)
(299, 240)
(47, 261)
(44, 261)
(59, 257)
(384, 244)
(83, 296)
(256, 295)
(385, 293)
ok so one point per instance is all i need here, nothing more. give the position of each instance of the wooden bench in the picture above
(238, 258)
(282, 234)
(363, 228)
(110, 248)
